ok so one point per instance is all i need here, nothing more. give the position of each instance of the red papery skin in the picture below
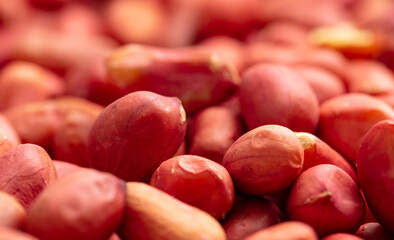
(344, 120)
(375, 170)
(9, 131)
(275, 94)
(27, 169)
(327, 198)
(324, 83)
(23, 82)
(5, 144)
(287, 230)
(370, 77)
(12, 212)
(61, 126)
(86, 204)
(133, 135)
(64, 168)
(198, 78)
(197, 181)
(341, 236)
(249, 216)
(213, 131)
(373, 231)
(153, 214)
(13, 234)
(318, 152)
(264, 160)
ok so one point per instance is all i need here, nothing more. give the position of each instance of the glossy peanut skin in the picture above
(134, 134)
(327, 198)
(375, 172)
(213, 131)
(5, 144)
(250, 215)
(9, 131)
(264, 160)
(12, 213)
(27, 169)
(344, 120)
(275, 94)
(199, 79)
(291, 230)
(197, 181)
(86, 204)
(318, 152)
(153, 214)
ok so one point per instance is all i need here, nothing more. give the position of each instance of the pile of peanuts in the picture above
(196, 119)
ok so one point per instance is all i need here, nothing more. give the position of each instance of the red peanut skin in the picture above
(213, 131)
(229, 49)
(373, 231)
(149, 24)
(327, 198)
(375, 172)
(250, 216)
(9, 131)
(26, 170)
(197, 78)
(13, 234)
(344, 120)
(324, 83)
(24, 82)
(64, 168)
(275, 94)
(5, 144)
(59, 125)
(133, 135)
(198, 182)
(12, 213)
(370, 77)
(290, 230)
(70, 139)
(318, 152)
(341, 236)
(264, 160)
(86, 204)
(152, 214)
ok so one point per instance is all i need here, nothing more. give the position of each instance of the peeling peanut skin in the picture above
(25, 171)
(12, 213)
(344, 120)
(197, 181)
(265, 160)
(249, 216)
(198, 79)
(275, 94)
(291, 230)
(152, 214)
(134, 134)
(318, 152)
(5, 144)
(326, 198)
(375, 171)
(86, 204)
